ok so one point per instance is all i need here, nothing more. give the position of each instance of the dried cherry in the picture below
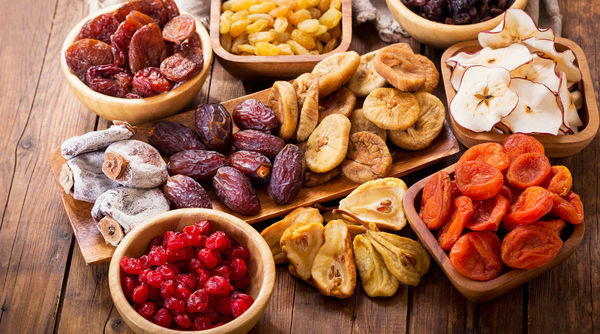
(488, 214)
(476, 255)
(257, 141)
(101, 28)
(255, 115)
(569, 208)
(453, 228)
(213, 124)
(529, 246)
(234, 189)
(172, 137)
(436, 200)
(198, 164)
(491, 153)
(178, 68)
(149, 82)
(528, 169)
(559, 181)
(179, 28)
(288, 174)
(85, 53)
(531, 205)
(518, 143)
(109, 79)
(183, 192)
(478, 180)
(254, 165)
(153, 8)
(147, 48)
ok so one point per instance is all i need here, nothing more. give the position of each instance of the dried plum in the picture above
(234, 189)
(213, 124)
(86, 53)
(183, 192)
(198, 164)
(172, 137)
(101, 28)
(149, 82)
(255, 115)
(147, 48)
(254, 165)
(287, 175)
(191, 49)
(253, 140)
(109, 79)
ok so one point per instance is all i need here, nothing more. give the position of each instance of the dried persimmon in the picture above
(488, 214)
(436, 201)
(555, 225)
(531, 205)
(476, 255)
(529, 246)
(569, 208)
(453, 228)
(528, 169)
(559, 181)
(518, 143)
(491, 153)
(478, 180)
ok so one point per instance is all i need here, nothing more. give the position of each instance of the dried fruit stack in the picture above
(507, 192)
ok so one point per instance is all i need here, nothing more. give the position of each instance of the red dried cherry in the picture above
(174, 305)
(162, 318)
(240, 305)
(140, 294)
(131, 266)
(147, 309)
(167, 288)
(218, 241)
(127, 284)
(209, 258)
(239, 252)
(217, 286)
(204, 226)
(154, 278)
(157, 256)
(181, 291)
(221, 271)
(237, 269)
(198, 301)
(183, 321)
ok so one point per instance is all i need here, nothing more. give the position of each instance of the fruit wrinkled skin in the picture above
(100, 27)
(559, 181)
(488, 214)
(300, 243)
(491, 153)
(518, 143)
(234, 189)
(368, 157)
(191, 49)
(254, 165)
(183, 192)
(531, 205)
(178, 68)
(453, 228)
(287, 175)
(528, 247)
(179, 28)
(153, 8)
(436, 200)
(199, 164)
(376, 279)
(255, 115)
(172, 137)
(119, 41)
(109, 80)
(478, 180)
(85, 53)
(149, 82)
(213, 125)
(257, 141)
(147, 48)
(528, 169)
(569, 208)
(476, 255)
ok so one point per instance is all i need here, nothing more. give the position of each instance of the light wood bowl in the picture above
(440, 35)
(261, 268)
(273, 67)
(555, 146)
(480, 291)
(136, 110)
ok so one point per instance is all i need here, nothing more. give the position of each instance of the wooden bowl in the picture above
(136, 110)
(440, 35)
(555, 146)
(480, 291)
(273, 67)
(261, 268)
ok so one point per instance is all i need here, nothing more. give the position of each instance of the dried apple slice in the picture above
(570, 117)
(426, 129)
(565, 61)
(540, 70)
(577, 99)
(300, 244)
(365, 79)
(391, 109)
(456, 76)
(284, 103)
(516, 26)
(483, 98)
(334, 71)
(368, 158)
(333, 269)
(379, 202)
(376, 279)
(537, 111)
(307, 93)
(328, 144)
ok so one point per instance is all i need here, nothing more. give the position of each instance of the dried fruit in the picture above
(119, 41)
(436, 200)
(83, 179)
(478, 180)
(427, 127)
(554, 225)
(529, 169)
(153, 8)
(368, 158)
(518, 143)
(488, 214)
(288, 174)
(172, 137)
(178, 68)
(300, 244)
(528, 247)
(341, 101)
(255, 115)
(254, 165)
(453, 228)
(391, 109)
(307, 93)
(149, 81)
(213, 124)
(191, 49)
(516, 26)
(100, 28)
(476, 255)
(183, 192)
(405, 70)
(147, 48)
(376, 279)
(110, 230)
(490, 153)
(335, 70)
(234, 189)
(361, 123)
(179, 28)
(109, 80)
(328, 144)
(312, 179)
(569, 208)
(366, 79)
(284, 103)
(96, 140)
(257, 141)
(569, 104)
(133, 163)
(531, 205)
(540, 70)
(85, 53)
(198, 164)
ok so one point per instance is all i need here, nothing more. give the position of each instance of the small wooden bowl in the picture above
(440, 35)
(480, 291)
(261, 268)
(136, 110)
(273, 67)
(555, 146)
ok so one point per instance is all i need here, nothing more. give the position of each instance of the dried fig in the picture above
(328, 144)
(405, 70)
(391, 109)
(341, 102)
(183, 192)
(361, 123)
(376, 279)
(288, 174)
(307, 92)
(300, 244)
(335, 70)
(234, 189)
(133, 163)
(312, 179)
(428, 126)
(213, 124)
(366, 79)
(284, 103)
(368, 158)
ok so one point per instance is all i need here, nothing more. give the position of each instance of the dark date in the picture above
(254, 165)
(184, 192)
(287, 175)
(197, 164)
(213, 125)
(255, 115)
(253, 140)
(234, 189)
(171, 137)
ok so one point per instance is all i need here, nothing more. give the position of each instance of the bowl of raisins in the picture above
(441, 23)
(138, 61)
(189, 270)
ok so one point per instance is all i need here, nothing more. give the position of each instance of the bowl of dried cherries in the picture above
(192, 270)
(442, 23)
(137, 61)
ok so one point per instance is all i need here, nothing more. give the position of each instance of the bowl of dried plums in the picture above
(137, 61)
(191, 270)
(443, 23)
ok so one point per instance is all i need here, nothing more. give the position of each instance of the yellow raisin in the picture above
(337, 4)
(330, 18)
(319, 46)
(335, 32)
(300, 4)
(281, 11)
(262, 36)
(313, 52)
(238, 27)
(319, 31)
(238, 5)
(257, 26)
(246, 48)
(299, 16)
(303, 38)
(264, 7)
(241, 39)
(324, 5)
(259, 16)
(285, 49)
(281, 37)
(280, 24)
(266, 49)
(297, 48)
(226, 5)
(324, 37)
(309, 26)
(225, 22)
(315, 13)
(226, 41)
(330, 45)
(239, 15)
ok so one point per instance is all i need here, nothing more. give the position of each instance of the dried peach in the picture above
(284, 103)
(391, 109)
(368, 158)
(428, 126)
(335, 70)
(328, 144)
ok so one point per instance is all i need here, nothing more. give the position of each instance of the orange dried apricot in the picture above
(436, 200)
(569, 208)
(559, 181)
(454, 191)
(451, 231)
(518, 143)
(528, 169)
(529, 246)
(478, 180)
(491, 153)
(488, 214)
(476, 255)
(530, 206)
(555, 225)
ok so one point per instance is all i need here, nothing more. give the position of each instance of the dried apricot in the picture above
(488, 214)
(453, 228)
(569, 208)
(555, 225)
(476, 255)
(559, 181)
(531, 205)
(436, 200)
(528, 247)
(491, 153)
(518, 143)
(529, 169)
(478, 180)
(86, 53)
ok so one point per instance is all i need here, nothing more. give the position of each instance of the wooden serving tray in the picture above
(555, 146)
(92, 244)
(480, 291)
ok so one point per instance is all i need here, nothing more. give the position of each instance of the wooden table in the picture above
(45, 286)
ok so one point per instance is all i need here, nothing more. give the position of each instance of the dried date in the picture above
(234, 189)
(254, 165)
(85, 53)
(172, 137)
(184, 192)
(255, 115)
(213, 124)
(178, 68)
(263, 143)
(197, 164)
(179, 28)
(149, 82)
(101, 28)
(288, 174)
(147, 48)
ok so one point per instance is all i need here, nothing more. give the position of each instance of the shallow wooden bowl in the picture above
(437, 34)
(261, 268)
(136, 110)
(480, 291)
(555, 146)
(273, 67)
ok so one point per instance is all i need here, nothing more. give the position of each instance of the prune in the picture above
(255, 115)
(109, 79)
(178, 68)
(253, 140)
(198, 164)
(191, 49)
(86, 53)
(183, 192)
(234, 189)
(153, 8)
(179, 28)
(120, 40)
(101, 28)
(147, 48)
(149, 82)
(288, 174)
(213, 124)
(171, 137)
(254, 165)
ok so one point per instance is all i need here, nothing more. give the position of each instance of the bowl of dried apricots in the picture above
(137, 61)
(499, 217)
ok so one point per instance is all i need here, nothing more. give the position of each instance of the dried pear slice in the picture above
(273, 233)
(361, 123)
(333, 269)
(431, 120)
(312, 179)
(365, 79)
(284, 103)
(391, 109)
(335, 70)
(341, 102)
(368, 158)
(300, 244)
(379, 202)
(410, 246)
(328, 144)
(403, 69)
(307, 93)
(376, 279)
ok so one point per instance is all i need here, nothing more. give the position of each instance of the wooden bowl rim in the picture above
(346, 38)
(265, 256)
(465, 285)
(172, 94)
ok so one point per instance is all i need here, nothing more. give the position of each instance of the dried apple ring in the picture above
(476, 255)
(559, 181)
(361, 123)
(365, 79)
(368, 158)
(529, 169)
(436, 200)
(399, 66)
(428, 126)
(478, 180)
(284, 103)
(531, 205)
(307, 93)
(528, 247)
(341, 102)
(328, 144)
(391, 109)
(518, 143)
(335, 70)
(488, 214)
(569, 208)
(453, 228)
(491, 153)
